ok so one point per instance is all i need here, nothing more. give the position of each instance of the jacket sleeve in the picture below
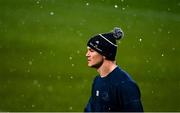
(88, 107)
(129, 97)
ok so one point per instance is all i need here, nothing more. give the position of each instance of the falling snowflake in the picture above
(162, 54)
(134, 14)
(140, 40)
(79, 33)
(12, 69)
(115, 6)
(50, 88)
(160, 29)
(87, 3)
(50, 75)
(30, 62)
(123, 8)
(32, 105)
(35, 82)
(22, 22)
(169, 9)
(70, 108)
(178, 4)
(52, 53)
(38, 2)
(72, 65)
(51, 13)
(22, 95)
(28, 70)
(24, 106)
(154, 32)
(70, 58)
(58, 77)
(147, 61)
(40, 52)
(71, 77)
(39, 85)
(152, 91)
(78, 51)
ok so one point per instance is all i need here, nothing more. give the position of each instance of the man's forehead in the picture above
(88, 47)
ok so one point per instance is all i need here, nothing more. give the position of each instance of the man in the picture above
(113, 90)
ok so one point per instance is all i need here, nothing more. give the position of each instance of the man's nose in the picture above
(87, 53)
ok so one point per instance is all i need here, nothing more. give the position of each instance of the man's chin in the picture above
(95, 66)
(90, 65)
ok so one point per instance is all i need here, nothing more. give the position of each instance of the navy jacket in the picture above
(114, 93)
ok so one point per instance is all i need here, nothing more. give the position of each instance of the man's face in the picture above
(94, 58)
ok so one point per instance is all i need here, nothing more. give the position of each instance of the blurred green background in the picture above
(43, 44)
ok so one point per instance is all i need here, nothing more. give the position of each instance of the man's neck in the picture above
(106, 68)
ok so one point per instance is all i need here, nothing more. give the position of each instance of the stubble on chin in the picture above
(97, 65)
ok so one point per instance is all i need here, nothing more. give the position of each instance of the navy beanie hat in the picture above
(105, 43)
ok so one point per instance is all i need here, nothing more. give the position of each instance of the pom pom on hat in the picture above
(118, 33)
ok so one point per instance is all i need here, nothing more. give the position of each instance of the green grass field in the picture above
(43, 44)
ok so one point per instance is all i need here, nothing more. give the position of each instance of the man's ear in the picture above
(104, 57)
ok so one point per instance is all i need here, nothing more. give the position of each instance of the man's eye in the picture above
(91, 50)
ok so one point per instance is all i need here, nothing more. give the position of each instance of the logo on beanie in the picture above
(95, 46)
(97, 42)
